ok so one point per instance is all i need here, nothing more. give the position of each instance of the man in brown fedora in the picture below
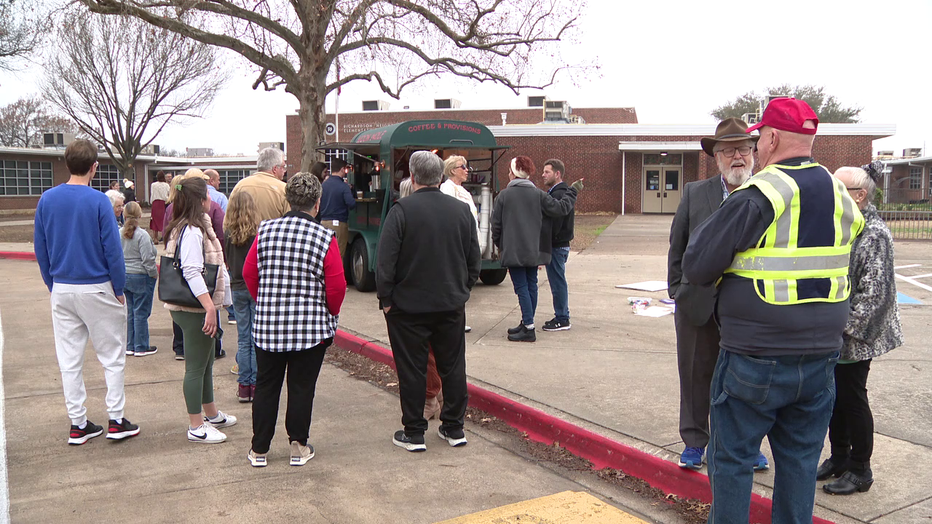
(697, 336)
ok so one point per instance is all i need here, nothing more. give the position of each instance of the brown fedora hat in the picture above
(728, 130)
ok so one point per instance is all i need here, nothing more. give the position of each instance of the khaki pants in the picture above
(342, 232)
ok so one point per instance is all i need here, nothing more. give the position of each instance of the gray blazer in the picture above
(700, 200)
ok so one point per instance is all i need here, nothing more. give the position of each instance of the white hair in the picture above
(269, 158)
(115, 196)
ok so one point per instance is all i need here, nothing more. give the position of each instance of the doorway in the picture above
(661, 189)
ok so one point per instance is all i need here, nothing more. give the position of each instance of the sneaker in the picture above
(525, 335)
(79, 436)
(691, 458)
(409, 442)
(258, 460)
(244, 393)
(231, 321)
(222, 420)
(179, 356)
(515, 330)
(761, 464)
(122, 430)
(130, 352)
(220, 355)
(252, 392)
(455, 437)
(206, 434)
(556, 325)
(301, 454)
(468, 329)
(152, 350)
(235, 369)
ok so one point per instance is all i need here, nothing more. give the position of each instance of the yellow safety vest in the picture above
(778, 262)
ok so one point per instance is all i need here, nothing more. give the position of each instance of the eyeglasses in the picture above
(461, 167)
(854, 188)
(743, 150)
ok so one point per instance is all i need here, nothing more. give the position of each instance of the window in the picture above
(336, 153)
(106, 173)
(24, 178)
(915, 177)
(671, 159)
(229, 178)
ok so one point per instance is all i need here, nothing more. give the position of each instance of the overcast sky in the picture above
(673, 61)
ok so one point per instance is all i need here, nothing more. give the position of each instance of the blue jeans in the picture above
(789, 399)
(138, 292)
(245, 308)
(525, 282)
(556, 274)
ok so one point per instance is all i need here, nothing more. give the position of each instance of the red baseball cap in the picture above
(788, 114)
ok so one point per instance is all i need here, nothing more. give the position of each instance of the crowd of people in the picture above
(783, 282)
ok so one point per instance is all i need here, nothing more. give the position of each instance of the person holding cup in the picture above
(336, 201)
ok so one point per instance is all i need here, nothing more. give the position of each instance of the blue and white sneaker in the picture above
(761, 464)
(691, 458)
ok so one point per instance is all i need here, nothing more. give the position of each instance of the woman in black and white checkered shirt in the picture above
(294, 271)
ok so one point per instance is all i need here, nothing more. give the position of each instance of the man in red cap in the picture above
(778, 250)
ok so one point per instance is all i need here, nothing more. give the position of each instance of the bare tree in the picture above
(123, 81)
(313, 47)
(22, 123)
(21, 30)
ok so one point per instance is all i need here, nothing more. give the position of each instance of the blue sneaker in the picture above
(692, 458)
(761, 464)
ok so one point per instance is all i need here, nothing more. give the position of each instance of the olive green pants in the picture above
(198, 361)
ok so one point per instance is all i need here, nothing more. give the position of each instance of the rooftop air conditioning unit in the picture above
(151, 149)
(57, 140)
(536, 101)
(912, 152)
(274, 145)
(886, 154)
(446, 103)
(374, 105)
(751, 118)
(556, 111)
(199, 152)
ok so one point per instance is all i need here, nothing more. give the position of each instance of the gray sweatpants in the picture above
(79, 312)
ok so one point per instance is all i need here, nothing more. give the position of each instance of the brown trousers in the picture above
(342, 232)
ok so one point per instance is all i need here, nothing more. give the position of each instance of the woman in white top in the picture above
(456, 171)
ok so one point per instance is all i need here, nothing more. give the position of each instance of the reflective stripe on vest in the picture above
(777, 263)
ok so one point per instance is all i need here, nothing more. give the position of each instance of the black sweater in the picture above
(235, 255)
(428, 258)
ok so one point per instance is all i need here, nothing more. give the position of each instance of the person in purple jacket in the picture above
(81, 260)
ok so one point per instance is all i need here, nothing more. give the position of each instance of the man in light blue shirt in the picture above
(213, 187)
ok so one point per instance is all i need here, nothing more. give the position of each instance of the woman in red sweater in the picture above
(294, 271)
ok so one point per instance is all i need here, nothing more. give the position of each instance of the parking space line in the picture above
(914, 282)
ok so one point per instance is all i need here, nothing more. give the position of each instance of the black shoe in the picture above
(220, 354)
(556, 325)
(455, 437)
(151, 351)
(525, 335)
(79, 436)
(179, 356)
(829, 469)
(850, 483)
(409, 442)
(515, 330)
(122, 430)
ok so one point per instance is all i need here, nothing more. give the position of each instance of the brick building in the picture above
(628, 167)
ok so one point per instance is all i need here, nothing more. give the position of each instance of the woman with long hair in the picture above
(139, 257)
(240, 226)
(295, 273)
(158, 194)
(190, 229)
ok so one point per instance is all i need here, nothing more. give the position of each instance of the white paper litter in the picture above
(655, 311)
(649, 285)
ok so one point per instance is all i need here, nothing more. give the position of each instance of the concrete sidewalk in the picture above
(615, 373)
(358, 476)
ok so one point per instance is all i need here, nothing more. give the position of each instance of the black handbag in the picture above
(173, 288)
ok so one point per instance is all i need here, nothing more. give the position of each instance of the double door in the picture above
(662, 189)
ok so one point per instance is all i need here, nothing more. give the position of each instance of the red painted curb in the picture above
(601, 451)
(14, 255)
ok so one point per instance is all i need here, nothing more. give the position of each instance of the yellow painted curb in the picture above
(568, 507)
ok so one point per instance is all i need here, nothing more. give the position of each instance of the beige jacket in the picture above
(213, 254)
(268, 192)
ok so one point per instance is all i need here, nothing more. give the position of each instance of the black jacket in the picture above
(517, 222)
(428, 259)
(560, 228)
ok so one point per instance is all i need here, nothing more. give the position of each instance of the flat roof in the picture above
(878, 130)
(906, 161)
(669, 146)
(31, 151)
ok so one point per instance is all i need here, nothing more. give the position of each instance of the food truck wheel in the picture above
(493, 277)
(363, 277)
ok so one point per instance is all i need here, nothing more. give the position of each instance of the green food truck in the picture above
(379, 159)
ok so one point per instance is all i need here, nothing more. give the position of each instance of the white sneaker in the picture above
(224, 422)
(258, 460)
(205, 434)
(301, 454)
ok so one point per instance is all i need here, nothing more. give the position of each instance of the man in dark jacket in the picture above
(428, 262)
(517, 231)
(560, 230)
(336, 201)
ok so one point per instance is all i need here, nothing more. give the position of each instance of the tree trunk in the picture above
(312, 114)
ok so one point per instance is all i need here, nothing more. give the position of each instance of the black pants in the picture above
(696, 354)
(851, 430)
(303, 369)
(410, 335)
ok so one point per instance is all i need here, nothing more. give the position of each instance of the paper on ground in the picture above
(655, 311)
(649, 285)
